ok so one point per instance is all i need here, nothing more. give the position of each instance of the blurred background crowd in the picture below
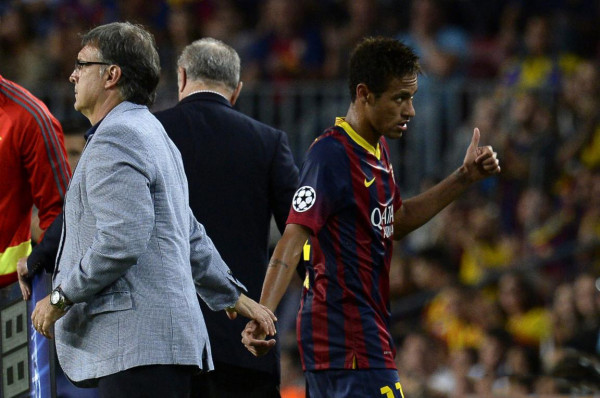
(500, 292)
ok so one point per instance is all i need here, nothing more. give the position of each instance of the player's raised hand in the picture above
(253, 338)
(480, 161)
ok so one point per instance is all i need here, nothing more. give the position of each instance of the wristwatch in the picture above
(59, 300)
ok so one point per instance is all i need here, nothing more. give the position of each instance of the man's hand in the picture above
(253, 338)
(24, 280)
(257, 312)
(44, 316)
(480, 162)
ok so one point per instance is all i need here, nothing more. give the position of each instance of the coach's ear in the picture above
(113, 76)
(236, 93)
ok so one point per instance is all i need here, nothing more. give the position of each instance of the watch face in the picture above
(55, 297)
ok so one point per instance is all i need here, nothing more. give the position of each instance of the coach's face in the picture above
(389, 113)
(88, 78)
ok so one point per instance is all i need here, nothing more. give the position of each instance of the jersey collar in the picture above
(341, 122)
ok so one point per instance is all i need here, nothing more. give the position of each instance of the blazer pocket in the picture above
(110, 302)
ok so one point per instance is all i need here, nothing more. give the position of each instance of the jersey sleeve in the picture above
(45, 161)
(324, 180)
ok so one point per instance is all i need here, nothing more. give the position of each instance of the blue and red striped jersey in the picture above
(347, 198)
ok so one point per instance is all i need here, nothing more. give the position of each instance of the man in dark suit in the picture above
(240, 172)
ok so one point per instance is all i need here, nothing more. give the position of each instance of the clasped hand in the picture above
(254, 339)
(261, 325)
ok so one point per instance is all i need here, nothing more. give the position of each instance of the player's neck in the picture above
(362, 126)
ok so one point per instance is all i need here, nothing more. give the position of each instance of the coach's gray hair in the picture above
(211, 61)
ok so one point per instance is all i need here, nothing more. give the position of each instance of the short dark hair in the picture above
(377, 60)
(133, 49)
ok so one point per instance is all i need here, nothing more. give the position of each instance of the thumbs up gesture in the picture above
(480, 161)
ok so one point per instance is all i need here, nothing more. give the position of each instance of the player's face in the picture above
(88, 81)
(390, 113)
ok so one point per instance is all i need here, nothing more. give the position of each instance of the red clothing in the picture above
(33, 171)
(347, 198)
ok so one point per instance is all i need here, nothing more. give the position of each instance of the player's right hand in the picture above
(253, 338)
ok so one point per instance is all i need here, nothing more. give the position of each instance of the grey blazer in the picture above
(130, 254)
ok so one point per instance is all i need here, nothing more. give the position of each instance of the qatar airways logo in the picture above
(384, 220)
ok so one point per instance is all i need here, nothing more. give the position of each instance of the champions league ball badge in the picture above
(304, 198)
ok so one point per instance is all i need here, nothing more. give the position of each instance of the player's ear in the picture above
(362, 93)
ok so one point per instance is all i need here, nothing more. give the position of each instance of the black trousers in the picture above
(228, 381)
(154, 381)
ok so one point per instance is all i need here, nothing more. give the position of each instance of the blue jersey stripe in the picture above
(344, 317)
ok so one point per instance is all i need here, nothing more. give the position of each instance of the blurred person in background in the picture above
(491, 360)
(566, 321)
(361, 18)
(587, 303)
(522, 367)
(547, 232)
(22, 52)
(432, 268)
(287, 44)
(529, 142)
(442, 50)
(418, 357)
(588, 233)
(452, 377)
(587, 300)
(578, 120)
(527, 320)
(450, 317)
(577, 373)
(486, 250)
(539, 64)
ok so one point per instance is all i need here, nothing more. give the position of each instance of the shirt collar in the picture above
(341, 122)
(206, 95)
(207, 91)
(88, 134)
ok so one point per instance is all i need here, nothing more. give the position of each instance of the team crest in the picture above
(304, 198)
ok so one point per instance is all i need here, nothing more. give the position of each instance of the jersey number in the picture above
(387, 391)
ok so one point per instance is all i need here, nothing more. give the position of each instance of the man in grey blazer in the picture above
(124, 305)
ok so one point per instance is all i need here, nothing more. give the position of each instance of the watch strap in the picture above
(63, 302)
